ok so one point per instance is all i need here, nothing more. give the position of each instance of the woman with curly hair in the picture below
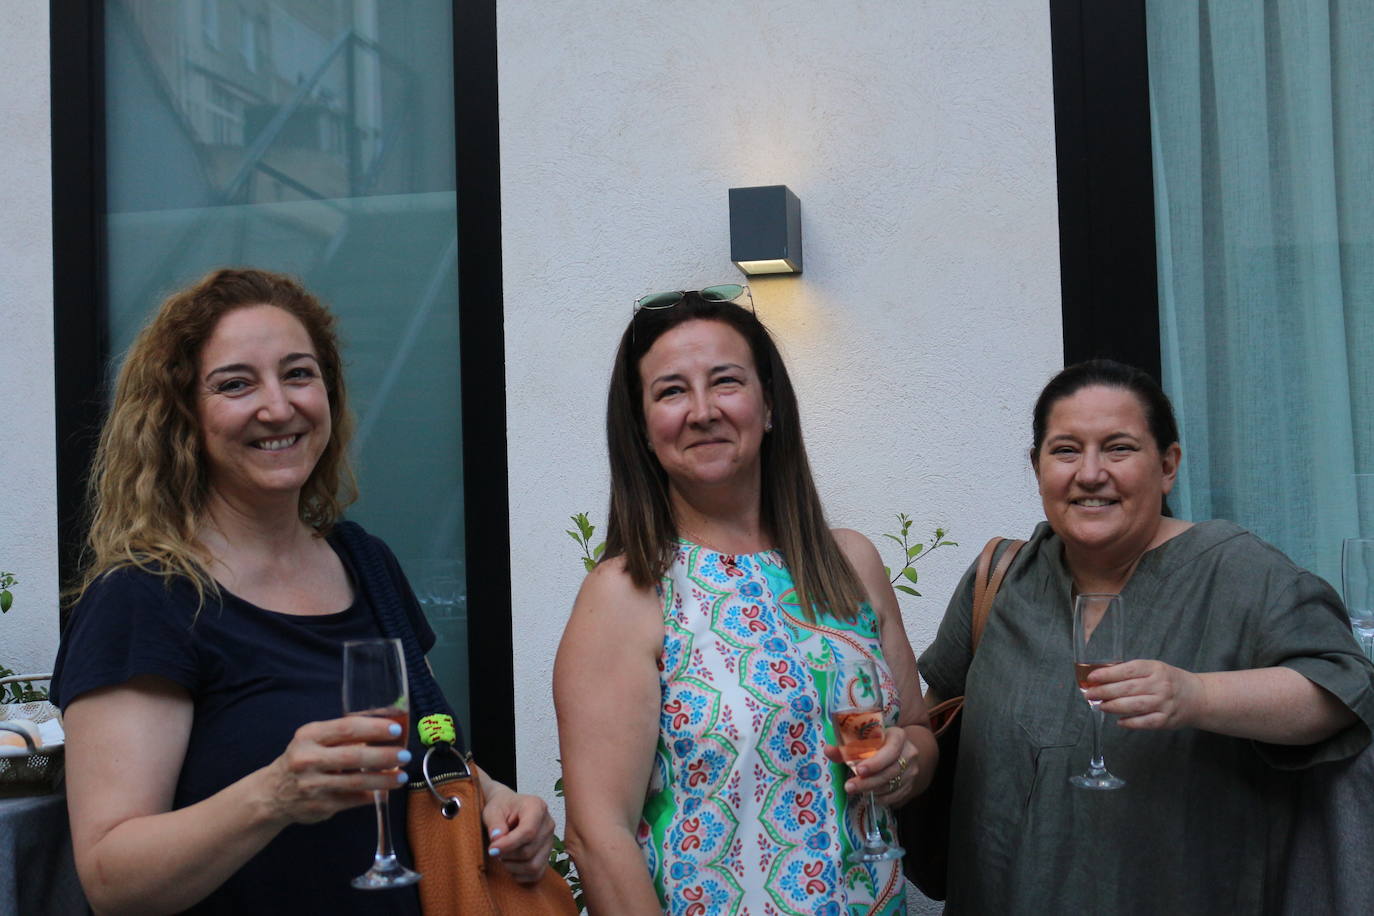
(208, 768)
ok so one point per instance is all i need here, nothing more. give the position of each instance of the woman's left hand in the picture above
(1148, 694)
(521, 832)
(889, 774)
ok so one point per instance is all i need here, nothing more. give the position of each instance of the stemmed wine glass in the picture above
(1097, 628)
(854, 701)
(374, 684)
(1357, 581)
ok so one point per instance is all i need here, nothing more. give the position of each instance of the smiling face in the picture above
(704, 406)
(1102, 477)
(264, 411)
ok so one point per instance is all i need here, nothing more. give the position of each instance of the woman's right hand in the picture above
(335, 764)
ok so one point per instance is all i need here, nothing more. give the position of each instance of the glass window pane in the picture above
(314, 138)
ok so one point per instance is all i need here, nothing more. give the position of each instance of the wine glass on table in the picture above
(1097, 627)
(374, 684)
(1357, 581)
(855, 704)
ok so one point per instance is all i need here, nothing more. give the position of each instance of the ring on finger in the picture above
(901, 765)
(894, 784)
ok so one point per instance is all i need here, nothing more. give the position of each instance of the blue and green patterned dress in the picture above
(744, 814)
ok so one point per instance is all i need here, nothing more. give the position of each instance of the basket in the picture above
(40, 769)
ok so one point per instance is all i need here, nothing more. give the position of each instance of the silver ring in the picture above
(894, 784)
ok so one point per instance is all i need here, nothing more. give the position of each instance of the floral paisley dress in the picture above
(744, 814)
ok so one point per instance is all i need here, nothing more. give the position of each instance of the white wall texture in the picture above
(28, 470)
(919, 136)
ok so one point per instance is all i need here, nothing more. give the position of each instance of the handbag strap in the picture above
(384, 594)
(985, 584)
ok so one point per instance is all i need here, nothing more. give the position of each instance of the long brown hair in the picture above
(148, 488)
(641, 527)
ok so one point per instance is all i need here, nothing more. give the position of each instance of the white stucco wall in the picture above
(919, 136)
(28, 471)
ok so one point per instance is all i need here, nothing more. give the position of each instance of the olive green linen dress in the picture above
(1203, 822)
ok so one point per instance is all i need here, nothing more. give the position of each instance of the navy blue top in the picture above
(254, 676)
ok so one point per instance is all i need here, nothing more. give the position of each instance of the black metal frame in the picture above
(82, 339)
(486, 493)
(1106, 182)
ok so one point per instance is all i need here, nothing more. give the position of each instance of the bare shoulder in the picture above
(609, 604)
(609, 587)
(860, 552)
(868, 564)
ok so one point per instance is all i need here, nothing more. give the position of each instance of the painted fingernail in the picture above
(394, 730)
(403, 756)
(402, 778)
(497, 833)
(493, 851)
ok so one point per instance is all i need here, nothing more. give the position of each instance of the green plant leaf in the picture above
(914, 551)
(588, 564)
(893, 537)
(910, 575)
(600, 549)
(909, 590)
(6, 599)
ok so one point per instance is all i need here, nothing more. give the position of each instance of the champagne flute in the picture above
(1357, 582)
(855, 703)
(374, 684)
(1097, 627)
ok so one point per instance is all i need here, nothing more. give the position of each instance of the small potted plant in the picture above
(30, 736)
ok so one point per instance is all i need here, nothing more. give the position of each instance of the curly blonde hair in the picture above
(148, 488)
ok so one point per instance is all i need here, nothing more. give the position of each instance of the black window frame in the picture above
(1108, 274)
(81, 338)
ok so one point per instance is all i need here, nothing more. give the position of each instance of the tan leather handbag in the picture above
(444, 808)
(449, 843)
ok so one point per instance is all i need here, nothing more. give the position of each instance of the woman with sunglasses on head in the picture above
(699, 766)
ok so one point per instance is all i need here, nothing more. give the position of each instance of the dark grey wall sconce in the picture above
(765, 230)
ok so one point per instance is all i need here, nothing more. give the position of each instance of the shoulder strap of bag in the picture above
(384, 594)
(985, 584)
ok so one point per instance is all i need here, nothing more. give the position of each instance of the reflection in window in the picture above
(318, 139)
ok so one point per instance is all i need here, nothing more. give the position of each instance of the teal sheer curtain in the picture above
(1263, 133)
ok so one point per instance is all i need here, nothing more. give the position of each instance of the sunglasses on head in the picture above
(726, 292)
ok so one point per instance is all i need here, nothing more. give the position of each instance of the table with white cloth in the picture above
(37, 871)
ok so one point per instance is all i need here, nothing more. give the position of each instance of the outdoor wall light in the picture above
(765, 230)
